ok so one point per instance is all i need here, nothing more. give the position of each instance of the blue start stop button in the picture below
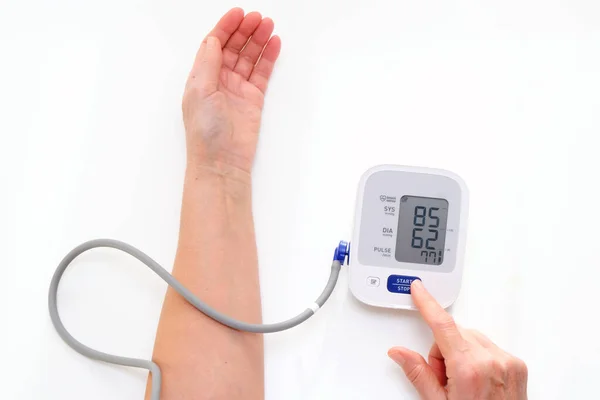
(400, 283)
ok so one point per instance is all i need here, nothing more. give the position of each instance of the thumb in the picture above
(207, 65)
(419, 373)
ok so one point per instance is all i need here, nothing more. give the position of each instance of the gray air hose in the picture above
(189, 296)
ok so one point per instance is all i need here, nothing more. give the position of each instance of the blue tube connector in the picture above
(341, 252)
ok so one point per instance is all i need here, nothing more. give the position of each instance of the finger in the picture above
(239, 38)
(437, 364)
(418, 373)
(444, 329)
(227, 25)
(207, 67)
(262, 71)
(250, 54)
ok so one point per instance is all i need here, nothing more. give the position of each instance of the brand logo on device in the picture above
(389, 199)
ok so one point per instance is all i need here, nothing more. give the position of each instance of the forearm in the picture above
(216, 259)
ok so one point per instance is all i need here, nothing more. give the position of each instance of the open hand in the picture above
(463, 364)
(224, 93)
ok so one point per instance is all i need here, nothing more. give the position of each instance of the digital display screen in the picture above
(421, 233)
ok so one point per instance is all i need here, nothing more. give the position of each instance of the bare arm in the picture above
(216, 256)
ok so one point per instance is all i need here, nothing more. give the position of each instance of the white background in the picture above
(506, 94)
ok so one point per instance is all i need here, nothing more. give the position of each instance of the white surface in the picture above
(506, 94)
(442, 281)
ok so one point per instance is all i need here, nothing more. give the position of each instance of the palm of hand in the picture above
(224, 96)
(226, 123)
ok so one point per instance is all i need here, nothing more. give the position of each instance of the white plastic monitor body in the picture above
(410, 223)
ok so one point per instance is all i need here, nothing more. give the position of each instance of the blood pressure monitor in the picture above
(410, 223)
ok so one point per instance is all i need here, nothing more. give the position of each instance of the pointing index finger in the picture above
(445, 331)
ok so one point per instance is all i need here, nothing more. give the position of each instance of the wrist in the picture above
(218, 174)
(235, 162)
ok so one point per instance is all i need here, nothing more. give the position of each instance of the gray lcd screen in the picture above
(421, 233)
